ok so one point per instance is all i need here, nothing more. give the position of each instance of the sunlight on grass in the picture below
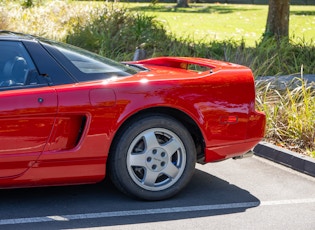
(206, 22)
(217, 25)
(200, 22)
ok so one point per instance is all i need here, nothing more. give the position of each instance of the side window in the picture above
(16, 67)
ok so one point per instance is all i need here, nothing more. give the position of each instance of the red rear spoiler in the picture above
(184, 62)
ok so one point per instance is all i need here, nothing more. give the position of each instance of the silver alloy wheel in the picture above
(156, 159)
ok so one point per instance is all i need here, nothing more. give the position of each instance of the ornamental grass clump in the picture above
(290, 116)
(281, 57)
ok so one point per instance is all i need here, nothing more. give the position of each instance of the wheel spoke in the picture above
(150, 178)
(171, 146)
(150, 140)
(137, 160)
(171, 170)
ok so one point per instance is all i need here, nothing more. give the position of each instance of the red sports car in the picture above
(69, 116)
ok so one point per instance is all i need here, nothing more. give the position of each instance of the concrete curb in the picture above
(286, 157)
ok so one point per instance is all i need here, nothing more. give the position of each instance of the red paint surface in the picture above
(65, 139)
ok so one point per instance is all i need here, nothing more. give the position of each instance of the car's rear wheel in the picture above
(153, 158)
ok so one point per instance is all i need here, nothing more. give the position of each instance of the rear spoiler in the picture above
(185, 62)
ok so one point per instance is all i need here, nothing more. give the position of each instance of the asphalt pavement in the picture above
(251, 193)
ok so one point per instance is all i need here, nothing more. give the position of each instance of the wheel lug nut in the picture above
(154, 151)
(153, 167)
(149, 159)
(163, 154)
(162, 163)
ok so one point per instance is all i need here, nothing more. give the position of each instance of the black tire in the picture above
(153, 158)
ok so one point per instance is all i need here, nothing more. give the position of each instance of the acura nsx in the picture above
(68, 116)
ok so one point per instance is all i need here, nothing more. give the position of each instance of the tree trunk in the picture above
(182, 3)
(278, 19)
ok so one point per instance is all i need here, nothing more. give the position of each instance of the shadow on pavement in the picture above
(203, 190)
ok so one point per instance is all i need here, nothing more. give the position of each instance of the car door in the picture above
(28, 110)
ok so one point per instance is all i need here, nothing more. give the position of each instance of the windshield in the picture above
(90, 63)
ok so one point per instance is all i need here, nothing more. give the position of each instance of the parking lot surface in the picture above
(251, 193)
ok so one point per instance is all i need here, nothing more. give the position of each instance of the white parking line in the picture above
(152, 211)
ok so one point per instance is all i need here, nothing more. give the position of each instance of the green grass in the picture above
(207, 22)
(199, 23)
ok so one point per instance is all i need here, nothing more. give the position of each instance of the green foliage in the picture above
(116, 33)
(27, 3)
(290, 116)
(51, 19)
(283, 57)
(271, 57)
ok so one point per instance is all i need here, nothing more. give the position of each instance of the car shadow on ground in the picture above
(203, 190)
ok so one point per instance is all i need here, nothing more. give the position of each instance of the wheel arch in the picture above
(176, 114)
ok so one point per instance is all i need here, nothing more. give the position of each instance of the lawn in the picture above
(200, 22)
(206, 22)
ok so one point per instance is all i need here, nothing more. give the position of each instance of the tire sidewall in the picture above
(125, 182)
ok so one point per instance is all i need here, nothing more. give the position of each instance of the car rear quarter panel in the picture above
(202, 98)
(209, 100)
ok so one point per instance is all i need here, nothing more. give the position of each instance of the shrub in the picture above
(290, 116)
(116, 33)
(27, 3)
(51, 19)
(284, 57)
(3, 19)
